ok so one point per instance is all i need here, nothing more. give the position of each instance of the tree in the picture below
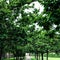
(15, 27)
(13, 37)
(51, 11)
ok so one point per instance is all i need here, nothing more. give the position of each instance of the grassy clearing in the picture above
(50, 58)
(53, 55)
(10, 59)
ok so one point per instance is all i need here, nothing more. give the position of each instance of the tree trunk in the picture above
(39, 56)
(17, 58)
(21, 58)
(0, 54)
(3, 56)
(35, 55)
(47, 56)
(42, 55)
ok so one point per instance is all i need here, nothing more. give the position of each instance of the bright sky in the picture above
(7, 1)
(37, 5)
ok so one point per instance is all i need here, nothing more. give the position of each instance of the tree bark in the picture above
(42, 55)
(35, 55)
(39, 56)
(47, 56)
(0, 53)
(17, 58)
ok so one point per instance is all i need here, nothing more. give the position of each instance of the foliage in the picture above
(18, 37)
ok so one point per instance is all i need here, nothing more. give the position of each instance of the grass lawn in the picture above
(52, 58)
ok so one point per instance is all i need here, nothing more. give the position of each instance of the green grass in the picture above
(49, 58)
(10, 59)
(52, 58)
(33, 58)
(53, 55)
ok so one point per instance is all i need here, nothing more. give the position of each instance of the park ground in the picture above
(51, 57)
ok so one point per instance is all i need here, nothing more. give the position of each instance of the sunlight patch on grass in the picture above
(51, 58)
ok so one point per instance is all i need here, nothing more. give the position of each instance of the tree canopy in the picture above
(17, 28)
